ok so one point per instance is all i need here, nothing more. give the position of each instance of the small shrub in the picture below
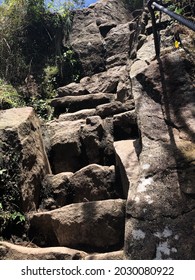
(9, 97)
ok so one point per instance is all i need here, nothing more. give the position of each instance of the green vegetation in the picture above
(182, 7)
(9, 97)
(11, 216)
(31, 35)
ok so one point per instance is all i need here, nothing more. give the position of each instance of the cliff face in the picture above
(122, 146)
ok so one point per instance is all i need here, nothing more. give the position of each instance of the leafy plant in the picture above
(7, 218)
(9, 97)
(42, 108)
(181, 7)
(11, 215)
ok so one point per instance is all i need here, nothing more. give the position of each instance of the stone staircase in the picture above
(120, 184)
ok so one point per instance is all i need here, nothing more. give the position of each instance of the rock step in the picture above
(75, 144)
(113, 108)
(76, 103)
(91, 183)
(19, 252)
(104, 110)
(9, 251)
(90, 226)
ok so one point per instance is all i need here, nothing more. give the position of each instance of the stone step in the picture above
(90, 226)
(78, 115)
(29, 251)
(72, 89)
(75, 144)
(113, 108)
(9, 251)
(91, 183)
(125, 126)
(76, 103)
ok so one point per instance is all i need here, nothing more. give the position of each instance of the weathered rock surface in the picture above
(115, 107)
(20, 133)
(92, 183)
(130, 110)
(106, 81)
(166, 238)
(74, 144)
(97, 141)
(76, 103)
(65, 146)
(127, 164)
(86, 225)
(9, 251)
(56, 191)
(164, 105)
(117, 255)
(117, 40)
(90, 27)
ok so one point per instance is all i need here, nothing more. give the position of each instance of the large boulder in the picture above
(92, 183)
(85, 40)
(108, 11)
(91, 225)
(160, 205)
(90, 27)
(22, 148)
(106, 81)
(77, 143)
(118, 39)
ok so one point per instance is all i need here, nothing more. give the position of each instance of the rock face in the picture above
(81, 224)
(163, 197)
(20, 133)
